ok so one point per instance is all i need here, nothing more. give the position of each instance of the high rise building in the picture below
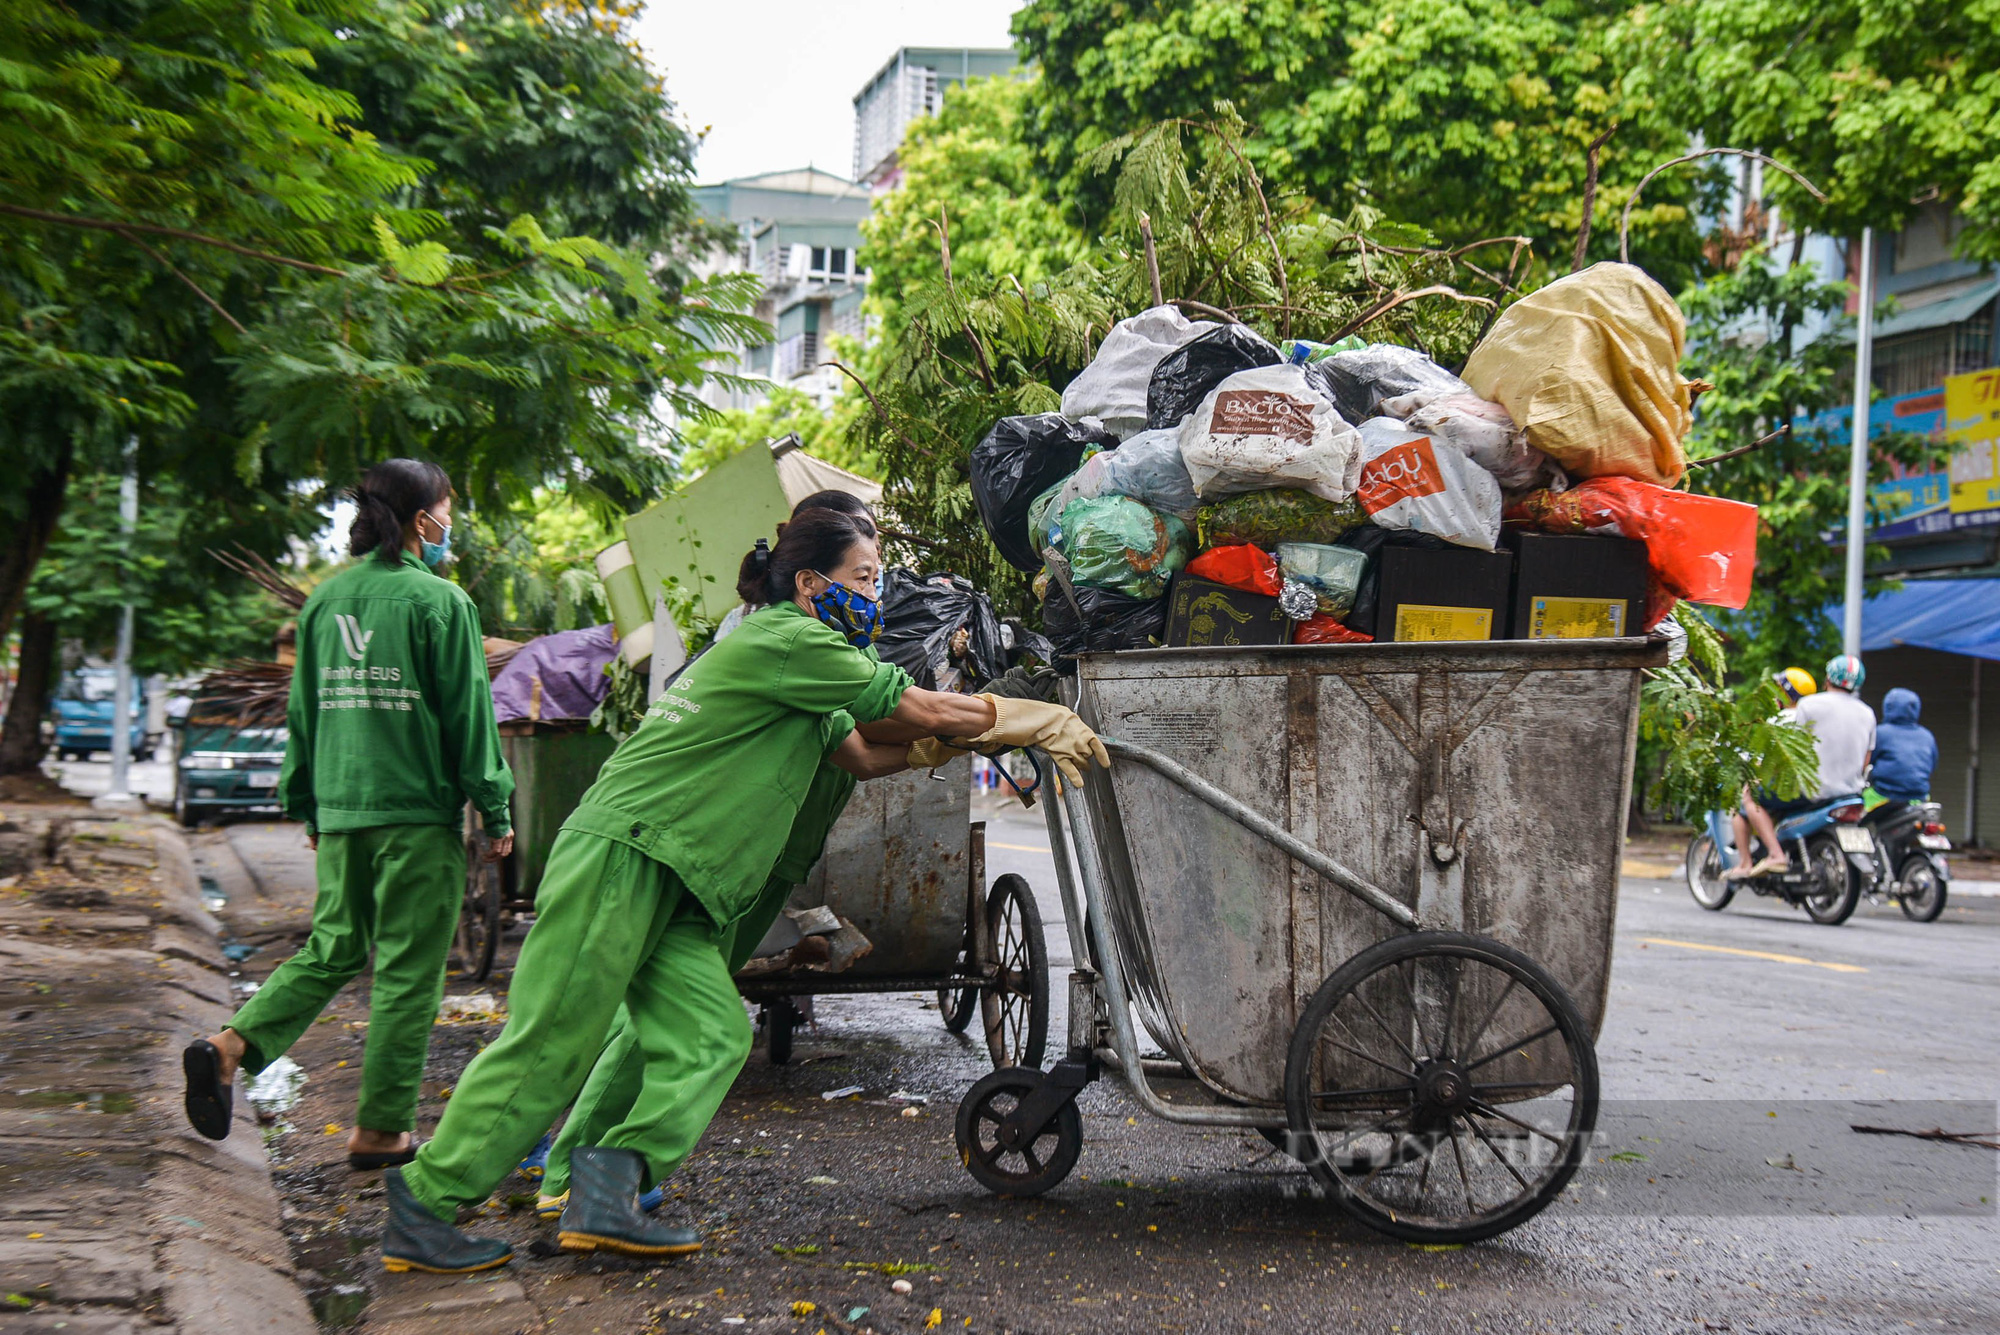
(912, 84)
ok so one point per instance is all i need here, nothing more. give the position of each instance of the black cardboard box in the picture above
(1453, 593)
(1202, 612)
(1574, 586)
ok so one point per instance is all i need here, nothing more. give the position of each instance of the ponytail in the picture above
(817, 540)
(388, 497)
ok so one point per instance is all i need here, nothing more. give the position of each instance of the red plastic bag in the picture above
(1701, 548)
(1324, 629)
(1245, 566)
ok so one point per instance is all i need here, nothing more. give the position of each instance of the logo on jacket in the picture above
(352, 637)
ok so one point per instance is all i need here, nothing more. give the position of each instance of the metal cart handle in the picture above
(1283, 839)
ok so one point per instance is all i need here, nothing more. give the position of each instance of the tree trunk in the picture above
(21, 549)
(21, 745)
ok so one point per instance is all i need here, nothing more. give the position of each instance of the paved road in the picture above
(1738, 1049)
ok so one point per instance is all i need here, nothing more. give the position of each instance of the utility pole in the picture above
(1857, 463)
(119, 793)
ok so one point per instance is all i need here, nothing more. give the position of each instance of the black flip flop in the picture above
(208, 1098)
(368, 1163)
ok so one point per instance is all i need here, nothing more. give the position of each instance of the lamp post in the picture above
(118, 794)
(1857, 463)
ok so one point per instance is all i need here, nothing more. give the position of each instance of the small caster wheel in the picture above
(997, 1156)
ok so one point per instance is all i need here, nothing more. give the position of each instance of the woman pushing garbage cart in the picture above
(672, 846)
(1363, 895)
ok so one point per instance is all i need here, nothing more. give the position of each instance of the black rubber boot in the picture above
(416, 1239)
(603, 1210)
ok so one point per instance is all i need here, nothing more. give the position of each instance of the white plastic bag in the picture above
(1384, 379)
(1270, 427)
(1409, 481)
(1113, 386)
(1485, 434)
(1149, 468)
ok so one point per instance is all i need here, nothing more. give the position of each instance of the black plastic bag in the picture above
(1361, 379)
(1369, 541)
(939, 629)
(1186, 375)
(1111, 621)
(1021, 458)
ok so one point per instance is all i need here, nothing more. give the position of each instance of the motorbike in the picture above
(1830, 857)
(1912, 868)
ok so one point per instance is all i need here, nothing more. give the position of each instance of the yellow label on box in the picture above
(1575, 618)
(1415, 621)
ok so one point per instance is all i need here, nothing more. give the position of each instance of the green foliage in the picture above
(1740, 339)
(1472, 116)
(978, 346)
(707, 441)
(187, 614)
(1714, 739)
(533, 574)
(623, 708)
(1879, 105)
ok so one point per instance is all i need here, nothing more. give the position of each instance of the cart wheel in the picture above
(956, 1007)
(1704, 875)
(1449, 1085)
(1923, 890)
(479, 916)
(1016, 1007)
(780, 1019)
(1836, 889)
(1015, 1170)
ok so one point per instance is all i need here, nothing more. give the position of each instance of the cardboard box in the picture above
(1457, 593)
(1573, 586)
(1202, 612)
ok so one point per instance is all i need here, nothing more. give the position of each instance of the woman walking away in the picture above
(391, 733)
(672, 848)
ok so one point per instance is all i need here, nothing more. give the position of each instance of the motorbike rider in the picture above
(1843, 730)
(1905, 751)
(1795, 684)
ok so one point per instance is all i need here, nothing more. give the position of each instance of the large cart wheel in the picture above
(1448, 1083)
(955, 1005)
(1834, 889)
(479, 915)
(1016, 1006)
(1704, 875)
(1007, 1164)
(1923, 890)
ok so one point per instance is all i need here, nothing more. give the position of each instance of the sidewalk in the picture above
(114, 1216)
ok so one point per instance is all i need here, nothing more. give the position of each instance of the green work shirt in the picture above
(825, 800)
(715, 777)
(391, 712)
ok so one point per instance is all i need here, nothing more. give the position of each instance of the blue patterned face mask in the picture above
(854, 615)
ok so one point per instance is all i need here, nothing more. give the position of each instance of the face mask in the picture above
(854, 615)
(433, 554)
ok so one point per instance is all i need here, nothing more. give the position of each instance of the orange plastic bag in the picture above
(1244, 566)
(1324, 629)
(1701, 548)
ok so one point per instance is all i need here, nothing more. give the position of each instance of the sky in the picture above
(774, 80)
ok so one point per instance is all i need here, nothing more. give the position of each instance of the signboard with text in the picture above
(1964, 412)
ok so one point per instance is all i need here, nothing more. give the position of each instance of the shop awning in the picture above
(1952, 616)
(1931, 315)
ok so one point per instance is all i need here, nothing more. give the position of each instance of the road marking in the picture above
(1754, 954)
(1015, 848)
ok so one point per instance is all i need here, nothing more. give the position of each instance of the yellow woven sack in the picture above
(1589, 367)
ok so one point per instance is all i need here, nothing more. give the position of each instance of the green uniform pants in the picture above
(393, 890)
(618, 1076)
(611, 926)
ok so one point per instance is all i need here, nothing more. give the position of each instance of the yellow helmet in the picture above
(1796, 683)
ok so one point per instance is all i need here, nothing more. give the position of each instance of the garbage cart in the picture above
(1362, 896)
(906, 864)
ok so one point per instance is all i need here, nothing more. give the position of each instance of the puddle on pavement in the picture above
(276, 1088)
(77, 1100)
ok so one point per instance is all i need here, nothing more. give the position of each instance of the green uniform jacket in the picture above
(714, 779)
(391, 715)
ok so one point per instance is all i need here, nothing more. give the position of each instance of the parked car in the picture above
(83, 715)
(225, 766)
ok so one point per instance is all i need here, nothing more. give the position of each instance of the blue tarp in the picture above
(1953, 616)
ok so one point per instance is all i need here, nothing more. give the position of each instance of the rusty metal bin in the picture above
(1326, 879)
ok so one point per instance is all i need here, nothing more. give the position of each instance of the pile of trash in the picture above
(1202, 485)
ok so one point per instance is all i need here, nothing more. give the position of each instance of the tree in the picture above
(1473, 117)
(1882, 106)
(783, 411)
(1741, 339)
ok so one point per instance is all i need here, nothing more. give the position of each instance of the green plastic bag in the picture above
(1113, 542)
(1282, 514)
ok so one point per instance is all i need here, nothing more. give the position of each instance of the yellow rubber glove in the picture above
(931, 752)
(1051, 728)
